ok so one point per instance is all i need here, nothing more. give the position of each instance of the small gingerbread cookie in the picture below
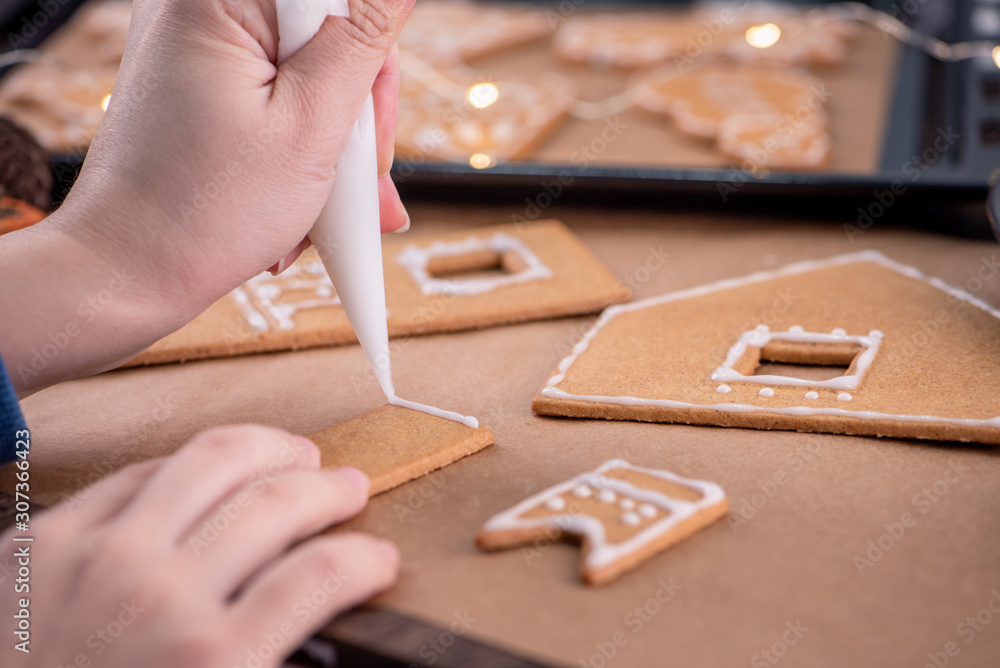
(456, 118)
(623, 39)
(700, 100)
(451, 31)
(767, 140)
(623, 514)
(855, 344)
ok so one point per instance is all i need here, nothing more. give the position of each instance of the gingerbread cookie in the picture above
(766, 140)
(817, 37)
(623, 514)
(702, 99)
(855, 344)
(450, 31)
(623, 39)
(460, 280)
(457, 118)
(394, 445)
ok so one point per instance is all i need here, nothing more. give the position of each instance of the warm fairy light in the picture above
(763, 36)
(483, 95)
(481, 161)
(105, 101)
(996, 56)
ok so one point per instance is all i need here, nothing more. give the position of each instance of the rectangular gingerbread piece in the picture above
(393, 445)
(446, 282)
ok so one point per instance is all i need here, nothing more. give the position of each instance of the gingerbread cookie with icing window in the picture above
(842, 355)
(623, 514)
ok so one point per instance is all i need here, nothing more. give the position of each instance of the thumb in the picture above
(326, 82)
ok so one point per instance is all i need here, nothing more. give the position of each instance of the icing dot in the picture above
(722, 389)
(839, 332)
(763, 328)
(647, 510)
(844, 396)
(812, 395)
(631, 519)
(582, 491)
(797, 329)
(557, 503)
(766, 392)
(606, 496)
(324, 291)
(877, 333)
(627, 504)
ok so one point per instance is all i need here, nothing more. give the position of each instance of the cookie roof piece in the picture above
(623, 514)
(922, 357)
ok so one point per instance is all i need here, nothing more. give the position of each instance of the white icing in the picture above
(467, 420)
(416, 260)
(876, 332)
(812, 395)
(600, 552)
(259, 300)
(551, 391)
(631, 519)
(844, 396)
(758, 338)
(723, 389)
(839, 332)
(626, 504)
(796, 329)
(766, 392)
(582, 491)
(556, 503)
(647, 510)
(606, 496)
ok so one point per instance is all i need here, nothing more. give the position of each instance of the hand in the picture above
(211, 165)
(195, 560)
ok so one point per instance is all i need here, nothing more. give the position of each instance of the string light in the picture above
(996, 56)
(763, 36)
(481, 161)
(483, 95)
(105, 101)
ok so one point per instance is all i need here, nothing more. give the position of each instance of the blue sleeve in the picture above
(11, 419)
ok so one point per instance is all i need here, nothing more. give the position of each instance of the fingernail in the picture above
(405, 226)
(309, 447)
(357, 478)
(390, 551)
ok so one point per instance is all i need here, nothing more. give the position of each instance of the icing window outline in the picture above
(761, 336)
(416, 260)
(257, 299)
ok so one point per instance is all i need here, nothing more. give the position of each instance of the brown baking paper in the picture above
(814, 561)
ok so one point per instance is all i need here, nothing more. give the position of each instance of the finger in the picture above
(317, 580)
(249, 529)
(385, 94)
(290, 257)
(394, 217)
(107, 497)
(211, 467)
(328, 79)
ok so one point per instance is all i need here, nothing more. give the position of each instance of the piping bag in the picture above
(347, 233)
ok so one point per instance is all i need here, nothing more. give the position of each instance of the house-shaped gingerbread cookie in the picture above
(854, 344)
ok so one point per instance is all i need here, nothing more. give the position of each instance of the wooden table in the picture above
(786, 582)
